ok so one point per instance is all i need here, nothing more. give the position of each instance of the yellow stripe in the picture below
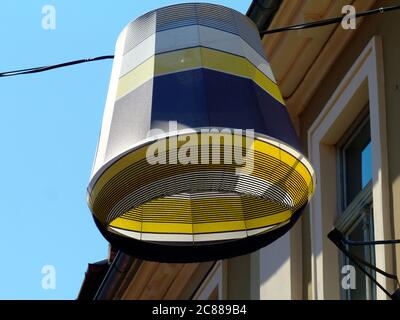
(208, 209)
(126, 224)
(219, 227)
(116, 167)
(176, 61)
(153, 227)
(194, 58)
(287, 159)
(229, 63)
(132, 80)
(268, 220)
(198, 228)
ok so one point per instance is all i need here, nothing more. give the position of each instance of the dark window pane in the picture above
(357, 163)
(362, 230)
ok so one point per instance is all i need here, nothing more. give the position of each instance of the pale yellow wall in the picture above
(388, 27)
(239, 278)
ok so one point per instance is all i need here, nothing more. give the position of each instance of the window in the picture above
(355, 202)
(340, 133)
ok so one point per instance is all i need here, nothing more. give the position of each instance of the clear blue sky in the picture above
(49, 126)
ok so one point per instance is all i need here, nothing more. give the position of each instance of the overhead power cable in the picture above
(51, 67)
(307, 25)
(322, 23)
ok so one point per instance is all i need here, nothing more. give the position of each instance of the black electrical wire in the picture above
(326, 22)
(51, 67)
(370, 243)
(340, 241)
(289, 28)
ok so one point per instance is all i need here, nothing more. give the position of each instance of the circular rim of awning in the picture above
(146, 141)
(189, 233)
(203, 252)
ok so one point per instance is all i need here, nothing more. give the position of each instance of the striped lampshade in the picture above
(197, 158)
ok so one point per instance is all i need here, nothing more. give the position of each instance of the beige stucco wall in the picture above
(388, 27)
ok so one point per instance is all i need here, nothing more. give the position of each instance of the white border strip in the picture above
(189, 238)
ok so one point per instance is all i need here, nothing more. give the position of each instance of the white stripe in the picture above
(261, 230)
(127, 233)
(164, 237)
(203, 195)
(220, 236)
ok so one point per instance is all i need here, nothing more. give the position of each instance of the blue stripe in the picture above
(207, 98)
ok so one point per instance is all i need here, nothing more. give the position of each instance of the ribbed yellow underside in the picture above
(201, 216)
(276, 170)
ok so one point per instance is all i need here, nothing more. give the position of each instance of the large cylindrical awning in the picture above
(197, 158)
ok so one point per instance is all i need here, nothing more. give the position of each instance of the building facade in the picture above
(342, 90)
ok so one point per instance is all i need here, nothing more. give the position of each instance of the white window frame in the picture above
(363, 83)
(215, 279)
